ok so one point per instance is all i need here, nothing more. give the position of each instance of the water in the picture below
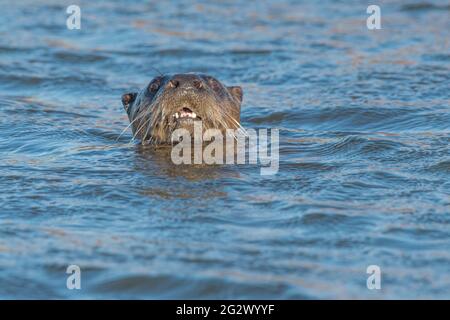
(364, 120)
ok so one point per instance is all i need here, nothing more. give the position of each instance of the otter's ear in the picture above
(127, 99)
(236, 92)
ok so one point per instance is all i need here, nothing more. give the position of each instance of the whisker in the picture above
(140, 128)
(239, 126)
(123, 131)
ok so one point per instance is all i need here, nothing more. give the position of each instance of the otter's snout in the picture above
(185, 82)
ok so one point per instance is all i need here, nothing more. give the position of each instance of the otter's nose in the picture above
(186, 82)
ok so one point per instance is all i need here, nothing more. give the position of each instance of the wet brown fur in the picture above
(151, 111)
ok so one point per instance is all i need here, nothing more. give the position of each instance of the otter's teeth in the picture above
(184, 114)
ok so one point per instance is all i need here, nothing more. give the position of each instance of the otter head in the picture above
(171, 102)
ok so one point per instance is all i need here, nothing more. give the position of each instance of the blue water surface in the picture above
(364, 176)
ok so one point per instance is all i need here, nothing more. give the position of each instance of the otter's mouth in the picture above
(185, 113)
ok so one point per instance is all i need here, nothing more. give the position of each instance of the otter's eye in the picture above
(154, 86)
(213, 83)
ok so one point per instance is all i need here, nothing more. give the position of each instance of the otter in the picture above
(170, 102)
